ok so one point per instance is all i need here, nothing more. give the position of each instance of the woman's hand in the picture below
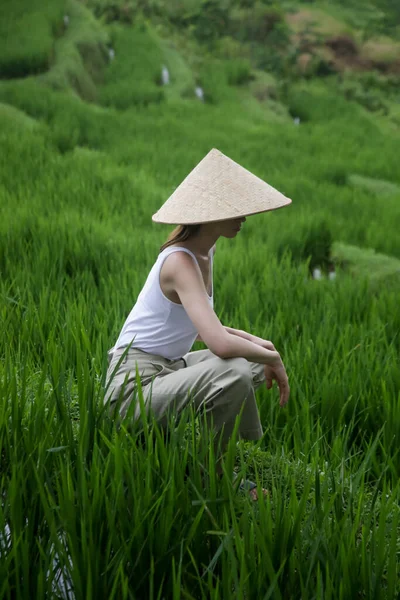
(278, 373)
(266, 344)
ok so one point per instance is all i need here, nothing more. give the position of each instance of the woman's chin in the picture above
(230, 234)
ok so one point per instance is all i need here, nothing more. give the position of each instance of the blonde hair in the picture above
(180, 234)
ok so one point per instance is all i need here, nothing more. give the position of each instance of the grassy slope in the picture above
(27, 33)
(78, 182)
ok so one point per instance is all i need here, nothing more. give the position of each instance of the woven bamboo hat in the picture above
(218, 189)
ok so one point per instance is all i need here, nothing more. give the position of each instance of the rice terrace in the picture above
(106, 106)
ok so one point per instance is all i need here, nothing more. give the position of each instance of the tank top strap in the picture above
(170, 249)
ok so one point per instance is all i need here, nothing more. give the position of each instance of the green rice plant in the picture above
(110, 11)
(315, 104)
(379, 267)
(182, 78)
(14, 119)
(27, 36)
(80, 54)
(134, 76)
(375, 186)
(312, 242)
(213, 78)
(239, 72)
(95, 471)
(260, 23)
(107, 505)
(127, 509)
(371, 100)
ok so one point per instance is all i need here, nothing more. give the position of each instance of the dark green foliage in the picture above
(69, 121)
(211, 20)
(128, 94)
(372, 80)
(317, 105)
(312, 242)
(367, 91)
(317, 245)
(264, 31)
(260, 24)
(134, 76)
(95, 58)
(111, 11)
(321, 67)
(214, 82)
(337, 175)
(122, 507)
(27, 36)
(216, 76)
(391, 12)
(238, 72)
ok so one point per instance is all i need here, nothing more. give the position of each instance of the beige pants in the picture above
(217, 386)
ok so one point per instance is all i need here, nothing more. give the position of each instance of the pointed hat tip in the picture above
(222, 189)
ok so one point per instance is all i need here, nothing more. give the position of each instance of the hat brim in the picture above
(218, 189)
(247, 214)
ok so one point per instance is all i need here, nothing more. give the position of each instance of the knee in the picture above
(241, 371)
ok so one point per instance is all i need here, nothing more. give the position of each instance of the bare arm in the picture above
(252, 338)
(237, 346)
(187, 281)
(248, 351)
(271, 373)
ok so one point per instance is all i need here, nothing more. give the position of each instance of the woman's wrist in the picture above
(274, 359)
(251, 338)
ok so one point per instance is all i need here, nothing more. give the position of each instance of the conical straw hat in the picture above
(218, 189)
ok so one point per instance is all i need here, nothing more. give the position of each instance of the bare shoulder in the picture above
(177, 262)
(184, 283)
(178, 272)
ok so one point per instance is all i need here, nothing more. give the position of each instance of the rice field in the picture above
(95, 508)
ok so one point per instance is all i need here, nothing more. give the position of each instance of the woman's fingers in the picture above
(284, 392)
(280, 376)
(268, 376)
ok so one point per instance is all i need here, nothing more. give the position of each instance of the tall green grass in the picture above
(135, 76)
(27, 36)
(116, 509)
(110, 507)
(80, 54)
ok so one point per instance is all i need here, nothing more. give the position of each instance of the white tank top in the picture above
(156, 324)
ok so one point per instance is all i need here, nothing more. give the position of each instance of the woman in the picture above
(175, 308)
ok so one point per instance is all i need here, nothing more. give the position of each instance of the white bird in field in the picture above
(317, 273)
(165, 76)
(199, 93)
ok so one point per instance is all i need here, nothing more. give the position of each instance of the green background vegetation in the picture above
(91, 146)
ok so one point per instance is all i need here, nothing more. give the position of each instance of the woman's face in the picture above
(231, 227)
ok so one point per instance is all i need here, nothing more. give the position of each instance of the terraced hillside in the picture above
(104, 109)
